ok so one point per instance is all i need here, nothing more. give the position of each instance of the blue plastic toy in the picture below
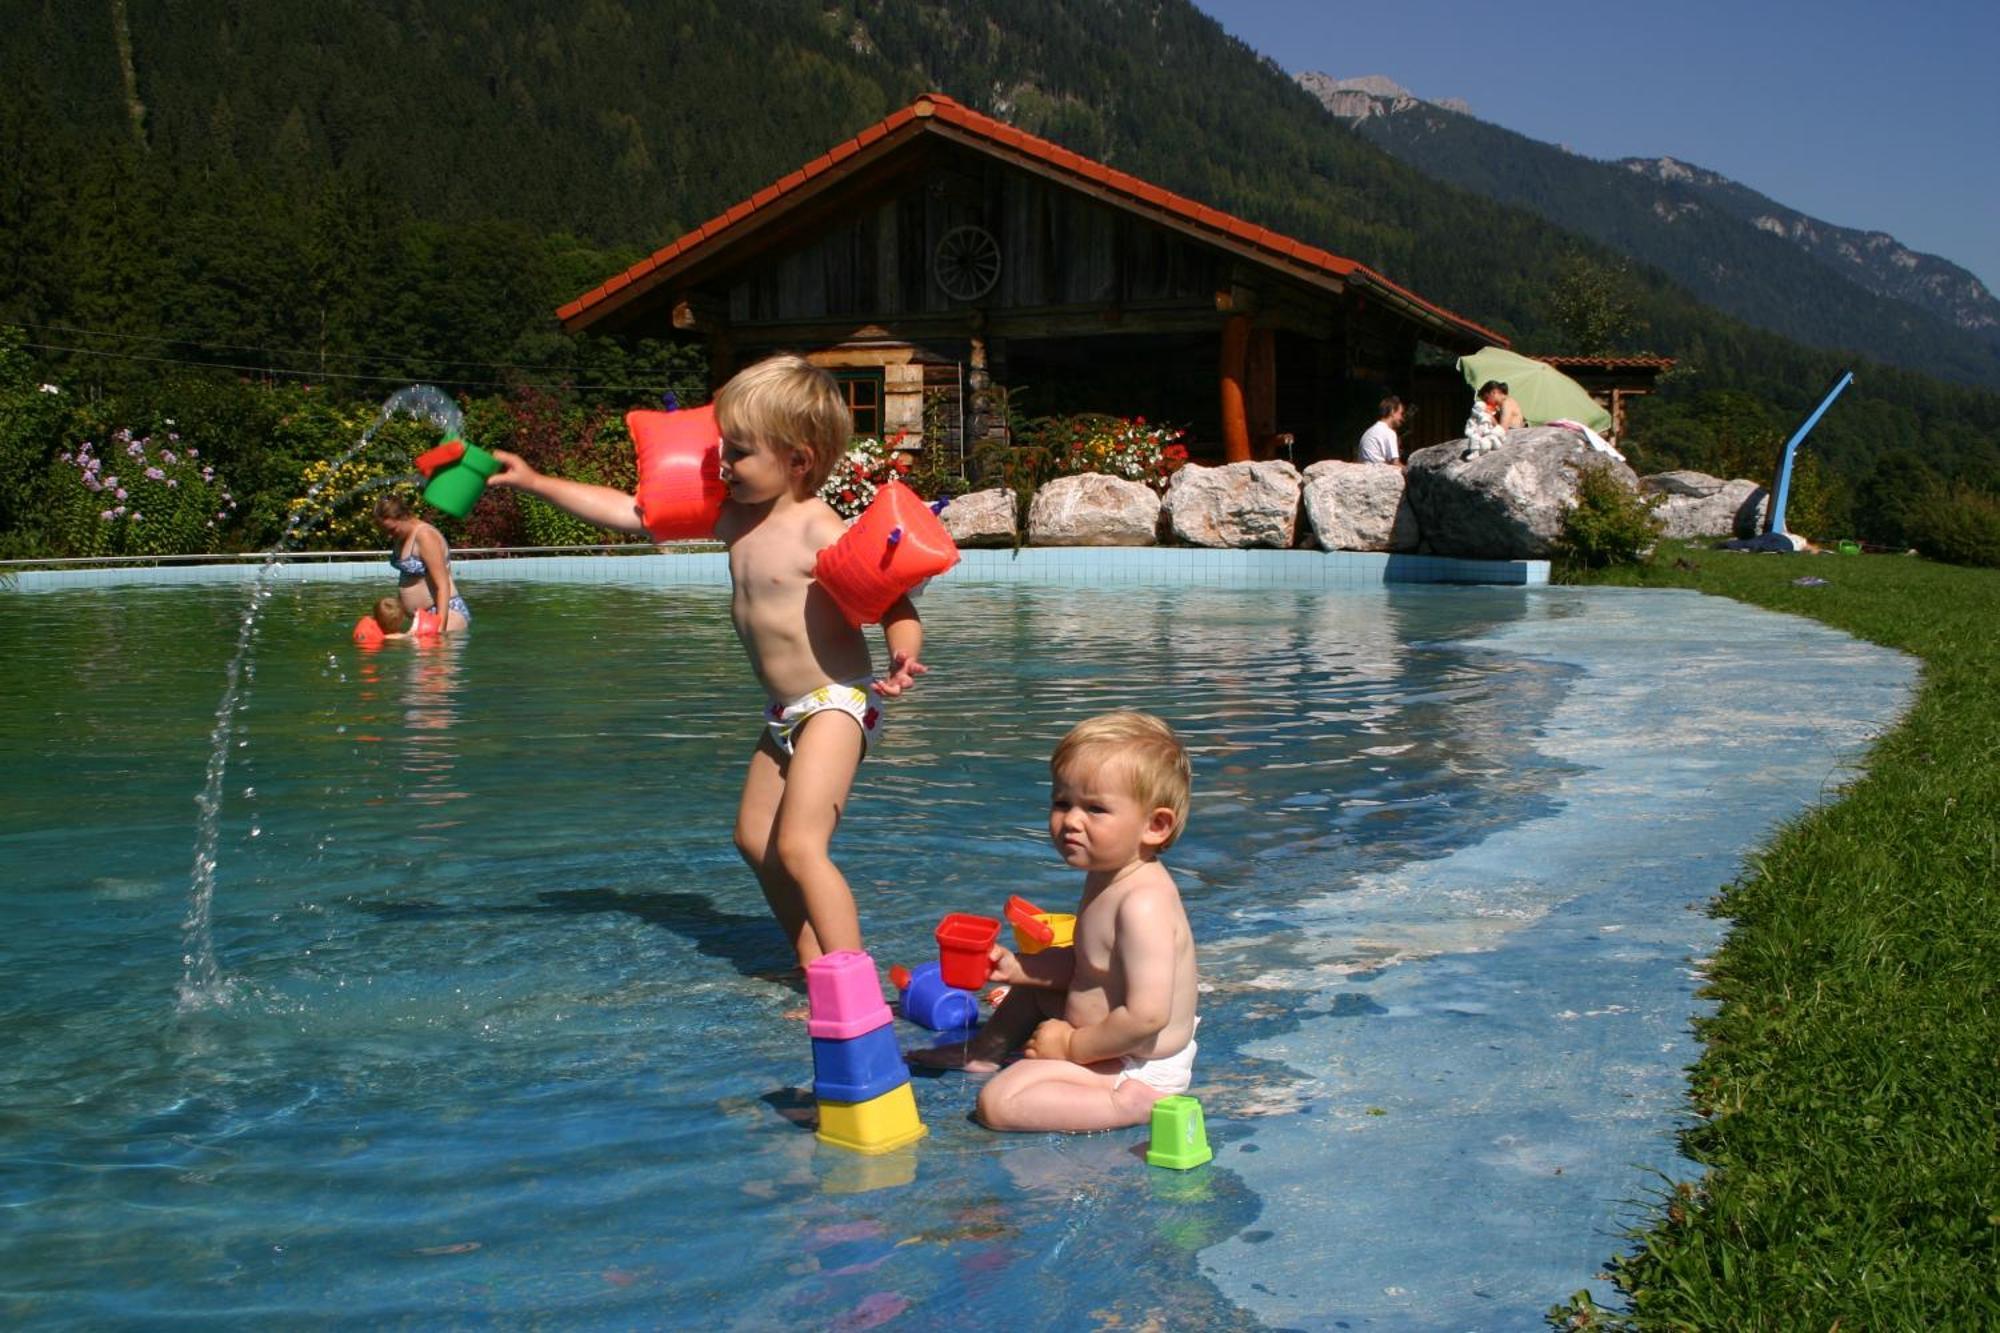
(928, 1002)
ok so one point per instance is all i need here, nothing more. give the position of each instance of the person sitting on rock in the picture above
(1482, 428)
(1510, 413)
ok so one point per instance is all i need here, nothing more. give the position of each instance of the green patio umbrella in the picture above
(1544, 393)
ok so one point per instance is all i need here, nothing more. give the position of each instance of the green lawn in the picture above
(1848, 1089)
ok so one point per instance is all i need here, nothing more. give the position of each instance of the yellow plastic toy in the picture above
(878, 1125)
(1036, 930)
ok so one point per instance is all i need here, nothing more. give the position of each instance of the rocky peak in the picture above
(1367, 95)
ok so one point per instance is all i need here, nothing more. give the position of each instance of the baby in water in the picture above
(388, 620)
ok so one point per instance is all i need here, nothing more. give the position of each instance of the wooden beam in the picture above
(1235, 422)
(1261, 392)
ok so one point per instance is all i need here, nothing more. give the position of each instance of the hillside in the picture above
(1871, 259)
(1727, 244)
(393, 189)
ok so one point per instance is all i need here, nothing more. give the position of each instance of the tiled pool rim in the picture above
(1073, 565)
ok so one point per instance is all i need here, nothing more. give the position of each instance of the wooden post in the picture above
(1261, 393)
(1235, 422)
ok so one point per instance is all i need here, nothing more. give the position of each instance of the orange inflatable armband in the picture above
(368, 631)
(896, 544)
(680, 472)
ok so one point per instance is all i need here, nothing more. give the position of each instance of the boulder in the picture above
(1237, 504)
(1359, 507)
(1092, 509)
(1694, 504)
(1507, 503)
(983, 518)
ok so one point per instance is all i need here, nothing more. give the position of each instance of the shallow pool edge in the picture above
(1070, 565)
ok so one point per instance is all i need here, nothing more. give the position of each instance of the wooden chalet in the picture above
(941, 259)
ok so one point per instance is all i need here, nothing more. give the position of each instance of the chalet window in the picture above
(864, 398)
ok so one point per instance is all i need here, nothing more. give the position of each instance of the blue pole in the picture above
(1776, 522)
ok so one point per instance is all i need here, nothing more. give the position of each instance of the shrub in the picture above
(934, 477)
(1117, 446)
(34, 420)
(866, 466)
(1610, 523)
(1819, 505)
(1957, 524)
(335, 507)
(588, 444)
(1067, 446)
(139, 495)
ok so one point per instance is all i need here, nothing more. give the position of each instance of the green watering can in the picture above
(456, 474)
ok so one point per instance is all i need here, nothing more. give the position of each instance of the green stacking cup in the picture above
(455, 489)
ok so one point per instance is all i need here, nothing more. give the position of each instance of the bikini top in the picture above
(410, 566)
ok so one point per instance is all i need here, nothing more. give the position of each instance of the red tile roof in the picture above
(1612, 362)
(933, 110)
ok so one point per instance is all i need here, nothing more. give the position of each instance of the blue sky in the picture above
(1868, 115)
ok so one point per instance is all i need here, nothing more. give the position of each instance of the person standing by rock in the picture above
(1379, 443)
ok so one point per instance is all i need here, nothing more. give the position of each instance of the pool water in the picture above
(502, 1032)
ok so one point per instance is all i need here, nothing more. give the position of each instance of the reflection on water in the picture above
(509, 1029)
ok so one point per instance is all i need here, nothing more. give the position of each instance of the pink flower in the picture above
(121, 493)
(172, 482)
(155, 474)
(106, 516)
(192, 452)
(168, 457)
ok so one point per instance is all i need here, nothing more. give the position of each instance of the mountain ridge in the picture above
(1733, 246)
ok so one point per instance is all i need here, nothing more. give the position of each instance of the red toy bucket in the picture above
(965, 944)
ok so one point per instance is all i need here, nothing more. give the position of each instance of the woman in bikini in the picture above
(423, 564)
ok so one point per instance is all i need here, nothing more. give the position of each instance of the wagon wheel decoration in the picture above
(967, 263)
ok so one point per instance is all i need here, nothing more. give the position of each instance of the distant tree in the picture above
(1593, 306)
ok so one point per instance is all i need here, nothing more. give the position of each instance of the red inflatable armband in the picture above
(444, 455)
(425, 624)
(680, 472)
(367, 633)
(896, 544)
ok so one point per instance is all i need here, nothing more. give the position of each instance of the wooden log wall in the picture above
(1057, 249)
